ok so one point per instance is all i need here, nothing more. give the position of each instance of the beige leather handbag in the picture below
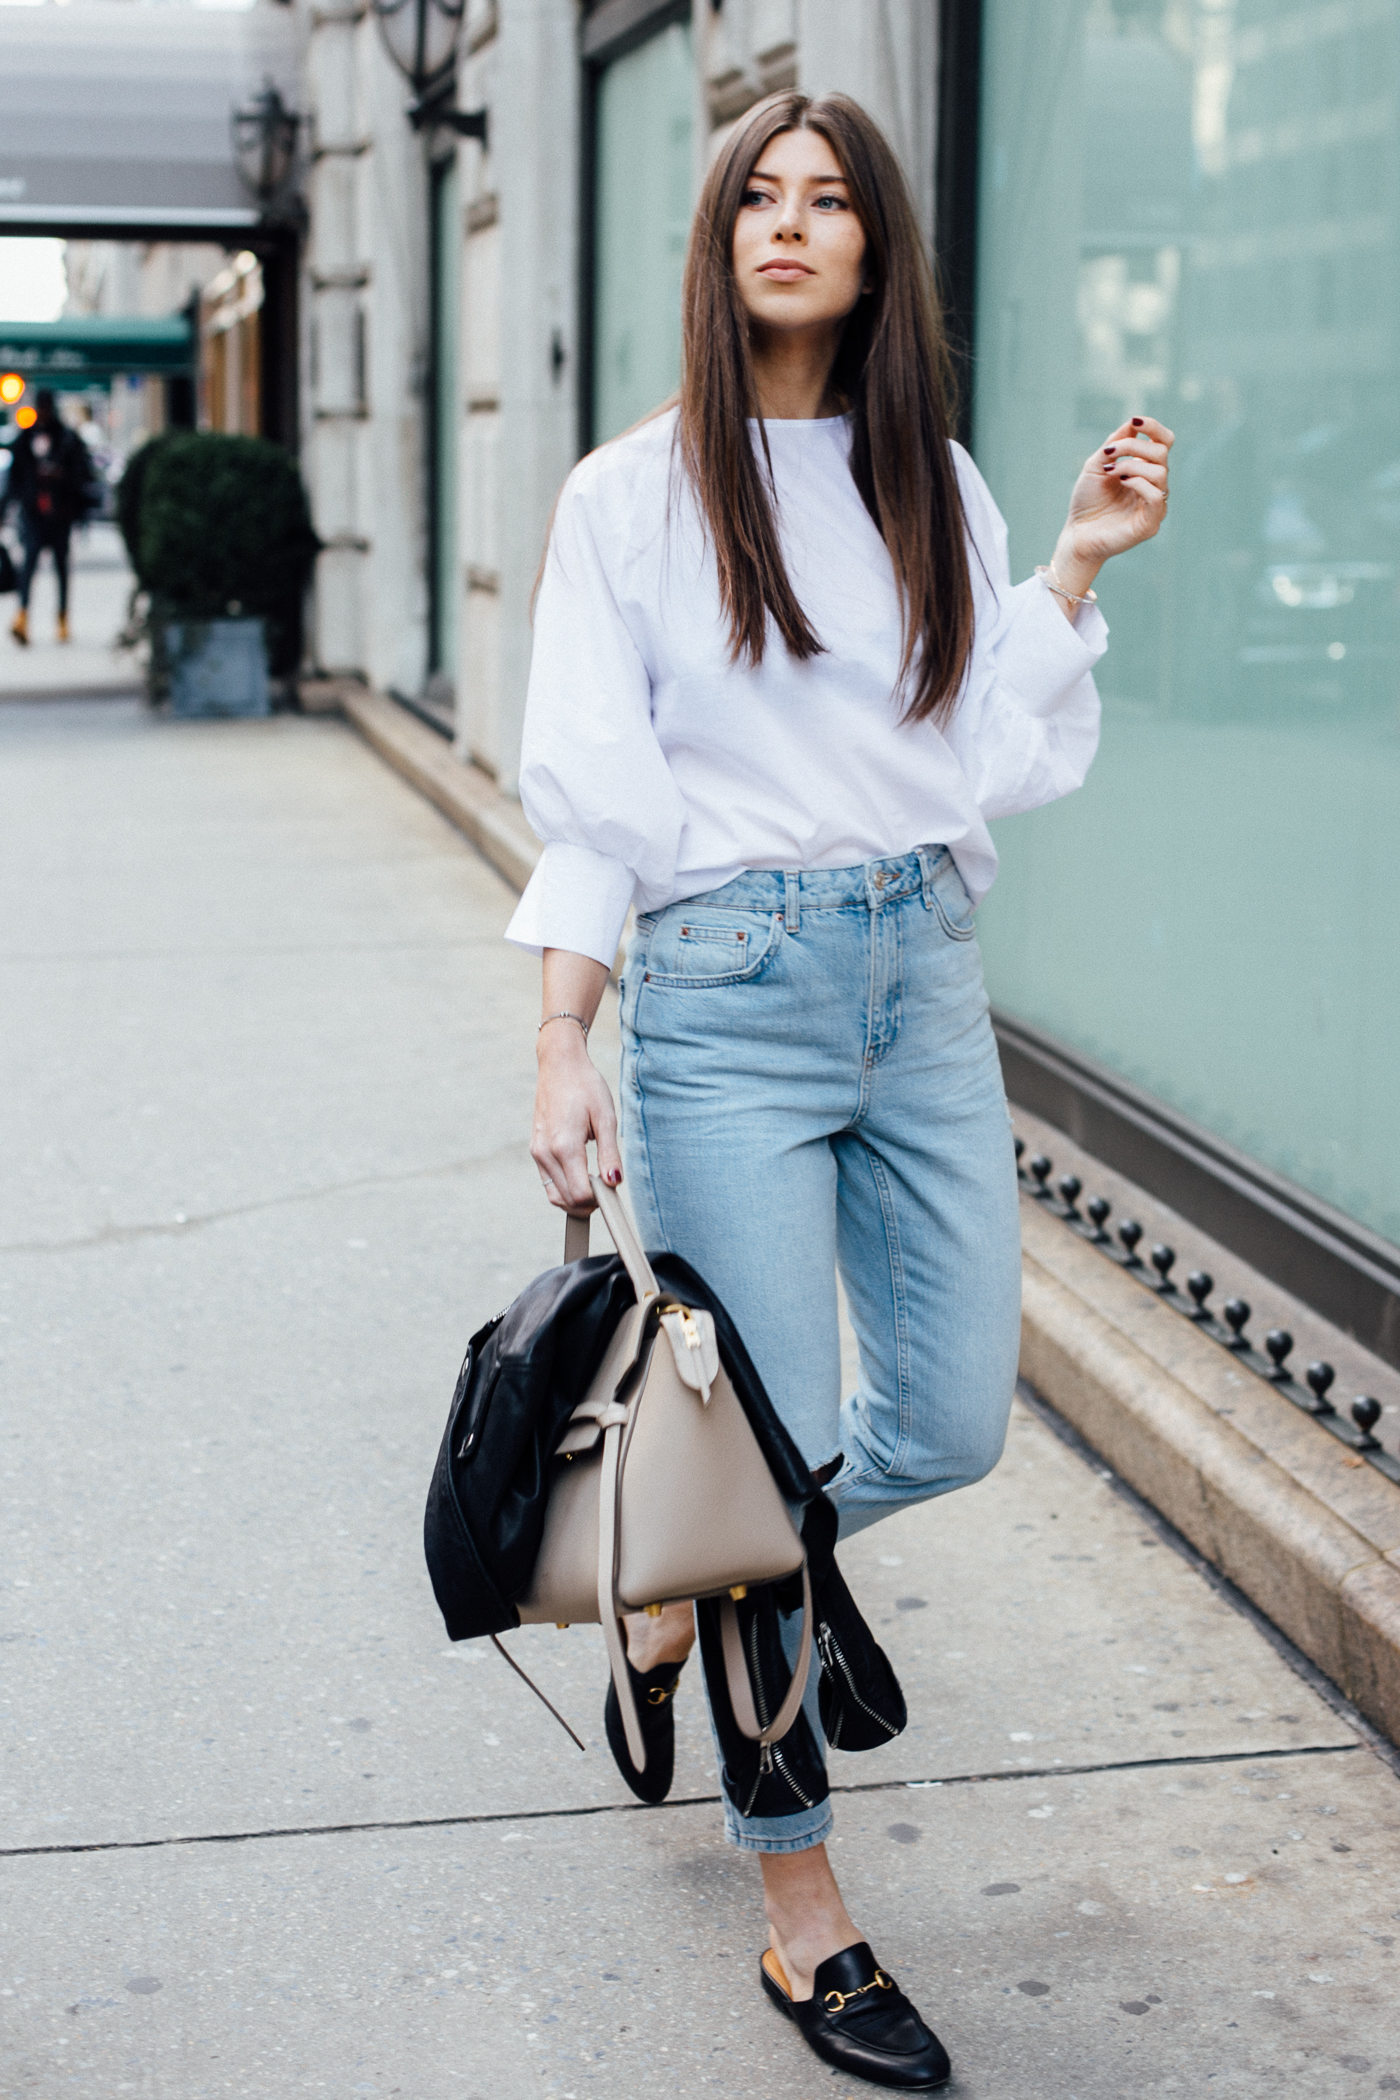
(662, 1493)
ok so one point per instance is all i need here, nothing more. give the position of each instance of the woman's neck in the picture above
(792, 375)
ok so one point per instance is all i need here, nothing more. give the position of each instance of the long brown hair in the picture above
(893, 369)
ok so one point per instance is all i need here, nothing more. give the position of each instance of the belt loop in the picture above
(926, 870)
(792, 902)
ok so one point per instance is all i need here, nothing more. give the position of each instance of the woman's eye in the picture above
(836, 203)
(752, 197)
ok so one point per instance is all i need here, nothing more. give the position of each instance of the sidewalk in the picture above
(99, 588)
(268, 1072)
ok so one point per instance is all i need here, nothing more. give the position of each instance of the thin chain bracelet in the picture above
(565, 1017)
(1053, 583)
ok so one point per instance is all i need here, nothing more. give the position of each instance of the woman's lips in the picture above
(785, 270)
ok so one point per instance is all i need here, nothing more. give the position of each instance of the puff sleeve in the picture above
(594, 782)
(1027, 725)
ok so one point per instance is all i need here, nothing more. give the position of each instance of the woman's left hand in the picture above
(1120, 498)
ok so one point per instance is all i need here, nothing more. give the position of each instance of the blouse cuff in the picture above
(576, 899)
(1040, 654)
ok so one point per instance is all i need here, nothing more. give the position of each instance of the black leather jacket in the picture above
(524, 1374)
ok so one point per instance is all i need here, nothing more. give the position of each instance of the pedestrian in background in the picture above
(781, 680)
(50, 482)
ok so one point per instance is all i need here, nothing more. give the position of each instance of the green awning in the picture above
(91, 349)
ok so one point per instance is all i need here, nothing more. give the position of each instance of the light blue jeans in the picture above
(810, 1082)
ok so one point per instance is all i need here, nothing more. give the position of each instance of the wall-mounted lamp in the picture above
(421, 38)
(265, 143)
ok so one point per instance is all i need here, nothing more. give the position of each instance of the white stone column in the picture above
(334, 276)
(366, 303)
(531, 278)
(479, 384)
(393, 207)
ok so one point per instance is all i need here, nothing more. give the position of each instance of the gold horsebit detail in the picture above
(659, 1694)
(837, 2001)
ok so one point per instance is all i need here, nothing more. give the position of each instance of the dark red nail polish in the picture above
(1109, 451)
(1137, 422)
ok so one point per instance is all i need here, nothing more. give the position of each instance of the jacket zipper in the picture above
(828, 1647)
(770, 1757)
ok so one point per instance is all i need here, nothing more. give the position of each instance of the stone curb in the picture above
(467, 796)
(1092, 1342)
(1312, 1546)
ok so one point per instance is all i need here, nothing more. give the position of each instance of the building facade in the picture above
(1203, 944)
(480, 313)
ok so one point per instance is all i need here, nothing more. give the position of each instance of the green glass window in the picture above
(644, 121)
(1191, 206)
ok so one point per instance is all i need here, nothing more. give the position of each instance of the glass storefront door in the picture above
(644, 121)
(1193, 207)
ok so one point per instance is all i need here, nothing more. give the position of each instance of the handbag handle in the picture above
(576, 1238)
(639, 1269)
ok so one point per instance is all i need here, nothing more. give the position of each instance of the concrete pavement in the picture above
(99, 591)
(267, 1076)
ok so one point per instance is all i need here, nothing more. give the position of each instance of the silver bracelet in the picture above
(565, 1017)
(1053, 583)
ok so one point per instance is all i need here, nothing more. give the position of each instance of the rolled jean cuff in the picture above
(810, 1826)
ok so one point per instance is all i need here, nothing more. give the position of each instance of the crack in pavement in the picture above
(633, 1808)
(174, 1228)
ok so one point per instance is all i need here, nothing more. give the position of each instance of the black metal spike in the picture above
(1366, 1412)
(1278, 1341)
(1099, 1209)
(1200, 1284)
(1319, 1377)
(1162, 1260)
(1236, 1315)
(1020, 1148)
(1130, 1232)
(1042, 1166)
(1070, 1189)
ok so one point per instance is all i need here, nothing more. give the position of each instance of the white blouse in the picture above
(653, 767)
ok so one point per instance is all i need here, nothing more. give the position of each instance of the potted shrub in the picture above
(220, 537)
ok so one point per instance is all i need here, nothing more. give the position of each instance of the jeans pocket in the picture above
(705, 950)
(956, 912)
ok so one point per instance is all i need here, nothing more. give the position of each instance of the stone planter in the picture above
(216, 668)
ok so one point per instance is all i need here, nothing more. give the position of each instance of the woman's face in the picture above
(799, 249)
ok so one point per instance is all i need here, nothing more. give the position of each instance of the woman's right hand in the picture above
(572, 1105)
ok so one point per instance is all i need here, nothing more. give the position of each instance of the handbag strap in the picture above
(737, 1675)
(609, 1495)
(624, 1238)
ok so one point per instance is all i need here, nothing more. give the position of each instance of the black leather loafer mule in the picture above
(653, 1691)
(858, 2019)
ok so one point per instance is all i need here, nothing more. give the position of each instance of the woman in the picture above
(780, 682)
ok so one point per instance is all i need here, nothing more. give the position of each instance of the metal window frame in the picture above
(439, 173)
(1339, 1267)
(959, 100)
(608, 31)
(1342, 1269)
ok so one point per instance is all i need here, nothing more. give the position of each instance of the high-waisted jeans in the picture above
(810, 1083)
